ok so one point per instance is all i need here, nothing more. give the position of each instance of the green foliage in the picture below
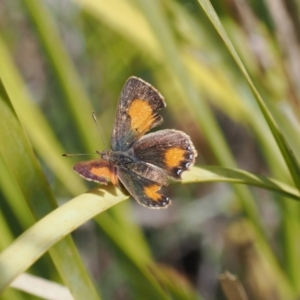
(225, 83)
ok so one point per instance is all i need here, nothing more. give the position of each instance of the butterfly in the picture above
(142, 162)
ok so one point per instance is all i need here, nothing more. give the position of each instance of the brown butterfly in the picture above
(142, 163)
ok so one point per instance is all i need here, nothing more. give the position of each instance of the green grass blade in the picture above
(287, 154)
(135, 261)
(221, 174)
(76, 98)
(12, 193)
(292, 164)
(19, 157)
(39, 238)
(39, 131)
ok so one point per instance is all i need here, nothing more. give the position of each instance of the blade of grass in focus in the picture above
(287, 154)
(18, 155)
(219, 174)
(28, 247)
(290, 159)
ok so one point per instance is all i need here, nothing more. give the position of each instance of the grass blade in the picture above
(17, 153)
(39, 238)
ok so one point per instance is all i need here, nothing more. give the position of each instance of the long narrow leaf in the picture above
(287, 154)
(33, 243)
(18, 155)
(220, 174)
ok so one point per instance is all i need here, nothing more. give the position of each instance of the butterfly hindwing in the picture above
(151, 172)
(143, 190)
(169, 149)
(136, 113)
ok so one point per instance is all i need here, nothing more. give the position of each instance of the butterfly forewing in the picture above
(136, 113)
(169, 149)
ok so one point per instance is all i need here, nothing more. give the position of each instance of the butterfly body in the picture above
(142, 162)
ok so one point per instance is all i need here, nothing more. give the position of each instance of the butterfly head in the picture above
(106, 154)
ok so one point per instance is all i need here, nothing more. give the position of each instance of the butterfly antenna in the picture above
(76, 154)
(97, 124)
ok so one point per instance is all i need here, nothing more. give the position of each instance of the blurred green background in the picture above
(62, 60)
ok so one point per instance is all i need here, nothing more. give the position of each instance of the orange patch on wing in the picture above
(174, 156)
(105, 172)
(141, 115)
(151, 192)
